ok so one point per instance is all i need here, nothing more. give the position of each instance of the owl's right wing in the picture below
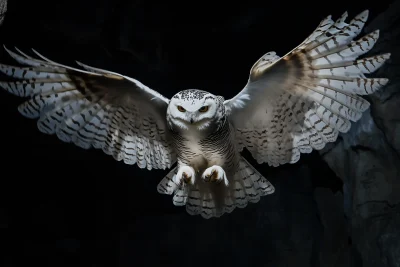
(93, 108)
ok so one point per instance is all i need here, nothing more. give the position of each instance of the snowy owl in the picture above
(290, 105)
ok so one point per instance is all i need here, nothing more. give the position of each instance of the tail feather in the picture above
(213, 200)
(180, 197)
(167, 185)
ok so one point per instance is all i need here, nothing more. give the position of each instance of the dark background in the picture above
(64, 206)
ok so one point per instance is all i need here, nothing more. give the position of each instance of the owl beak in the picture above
(191, 121)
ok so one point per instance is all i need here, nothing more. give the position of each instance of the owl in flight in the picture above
(290, 105)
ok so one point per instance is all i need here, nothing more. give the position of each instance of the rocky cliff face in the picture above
(368, 160)
(3, 10)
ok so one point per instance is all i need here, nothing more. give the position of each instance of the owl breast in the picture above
(201, 152)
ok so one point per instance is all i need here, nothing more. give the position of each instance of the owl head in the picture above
(195, 109)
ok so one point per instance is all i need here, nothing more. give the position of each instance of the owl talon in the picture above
(185, 175)
(215, 174)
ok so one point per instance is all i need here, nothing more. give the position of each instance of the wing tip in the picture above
(16, 48)
(384, 81)
(36, 52)
(366, 105)
(363, 15)
(79, 63)
(7, 50)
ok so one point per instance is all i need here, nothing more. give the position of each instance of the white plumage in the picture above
(290, 105)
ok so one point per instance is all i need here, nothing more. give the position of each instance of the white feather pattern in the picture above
(300, 102)
(93, 108)
(248, 186)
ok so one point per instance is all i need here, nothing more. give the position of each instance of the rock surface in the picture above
(368, 160)
(3, 10)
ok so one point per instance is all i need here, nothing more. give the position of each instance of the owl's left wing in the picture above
(300, 102)
(93, 108)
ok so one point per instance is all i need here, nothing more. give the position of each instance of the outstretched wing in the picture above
(93, 108)
(300, 102)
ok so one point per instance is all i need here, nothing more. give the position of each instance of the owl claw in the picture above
(186, 175)
(215, 174)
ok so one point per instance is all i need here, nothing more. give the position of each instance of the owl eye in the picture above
(203, 109)
(181, 109)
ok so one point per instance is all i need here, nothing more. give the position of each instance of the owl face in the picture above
(193, 109)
